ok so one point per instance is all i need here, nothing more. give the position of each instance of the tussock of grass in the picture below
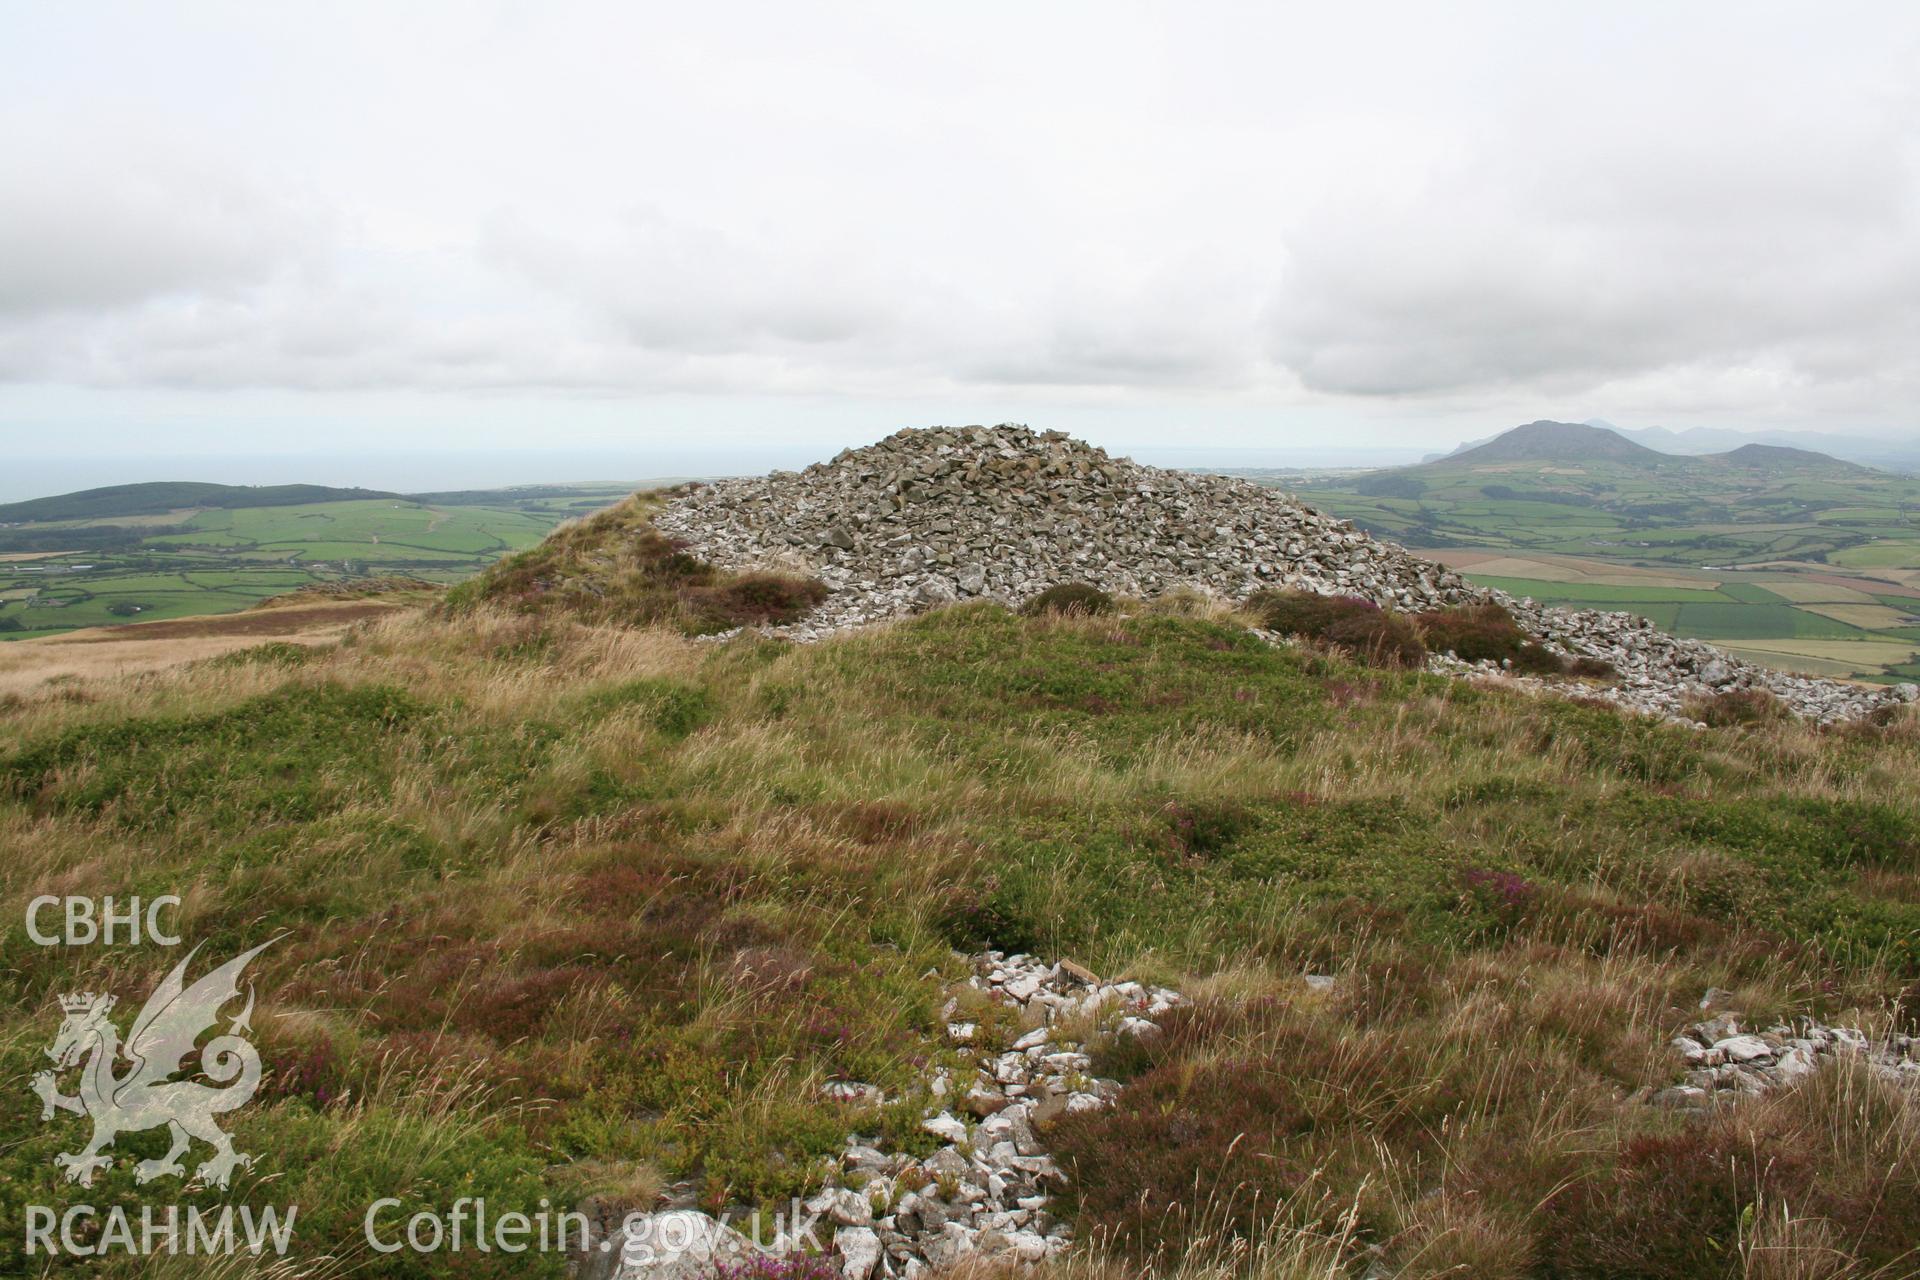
(1070, 598)
(571, 906)
(1735, 708)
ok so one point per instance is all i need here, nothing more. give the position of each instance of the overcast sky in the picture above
(262, 228)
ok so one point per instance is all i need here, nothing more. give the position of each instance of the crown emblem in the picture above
(83, 1001)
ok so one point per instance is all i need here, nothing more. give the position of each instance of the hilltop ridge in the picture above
(929, 516)
(1779, 456)
(157, 497)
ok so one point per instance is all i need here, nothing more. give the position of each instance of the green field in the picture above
(1740, 556)
(138, 567)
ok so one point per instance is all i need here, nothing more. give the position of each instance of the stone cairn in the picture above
(985, 1193)
(930, 516)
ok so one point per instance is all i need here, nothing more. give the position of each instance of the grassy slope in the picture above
(570, 909)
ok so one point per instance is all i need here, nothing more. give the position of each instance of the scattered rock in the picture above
(945, 1127)
(853, 1091)
(1725, 1060)
(985, 1193)
(1742, 1049)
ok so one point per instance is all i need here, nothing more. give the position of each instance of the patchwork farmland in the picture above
(59, 575)
(1801, 562)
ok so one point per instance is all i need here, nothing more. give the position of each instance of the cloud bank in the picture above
(1710, 213)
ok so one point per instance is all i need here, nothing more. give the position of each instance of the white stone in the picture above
(859, 1252)
(1743, 1049)
(1023, 987)
(681, 1244)
(945, 1127)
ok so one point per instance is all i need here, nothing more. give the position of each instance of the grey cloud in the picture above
(668, 285)
(1566, 269)
(98, 220)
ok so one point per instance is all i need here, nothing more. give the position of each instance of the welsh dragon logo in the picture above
(144, 1096)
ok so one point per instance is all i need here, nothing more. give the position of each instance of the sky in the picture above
(674, 234)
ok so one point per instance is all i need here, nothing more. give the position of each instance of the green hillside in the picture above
(156, 497)
(1786, 555)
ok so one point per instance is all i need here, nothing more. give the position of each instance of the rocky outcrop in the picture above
(930, 516)
(1660, 673)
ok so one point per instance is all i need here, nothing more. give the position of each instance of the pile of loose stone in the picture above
(984, 1194)
(929, 516)
(1725, 1061)
(932, 515)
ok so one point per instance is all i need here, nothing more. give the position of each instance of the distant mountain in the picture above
(1598, 441)
(160, 496)
(1886, 452)
(1775, 457)
(1546, 441)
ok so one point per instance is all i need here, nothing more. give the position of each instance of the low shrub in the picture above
(755, 599)
(1487, 633)
(1188, 1145)
(1359, 628)
(1737, 708)
(274, 653)
(1069, 597)
(1813, 1180)
(760, 1266)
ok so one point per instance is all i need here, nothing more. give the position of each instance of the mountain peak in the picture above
(1549, 441)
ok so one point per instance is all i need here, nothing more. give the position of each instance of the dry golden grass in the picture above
(69, 662)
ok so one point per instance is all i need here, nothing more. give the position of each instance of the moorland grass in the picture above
(568, 908)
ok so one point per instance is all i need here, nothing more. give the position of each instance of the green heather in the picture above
(568, 907)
